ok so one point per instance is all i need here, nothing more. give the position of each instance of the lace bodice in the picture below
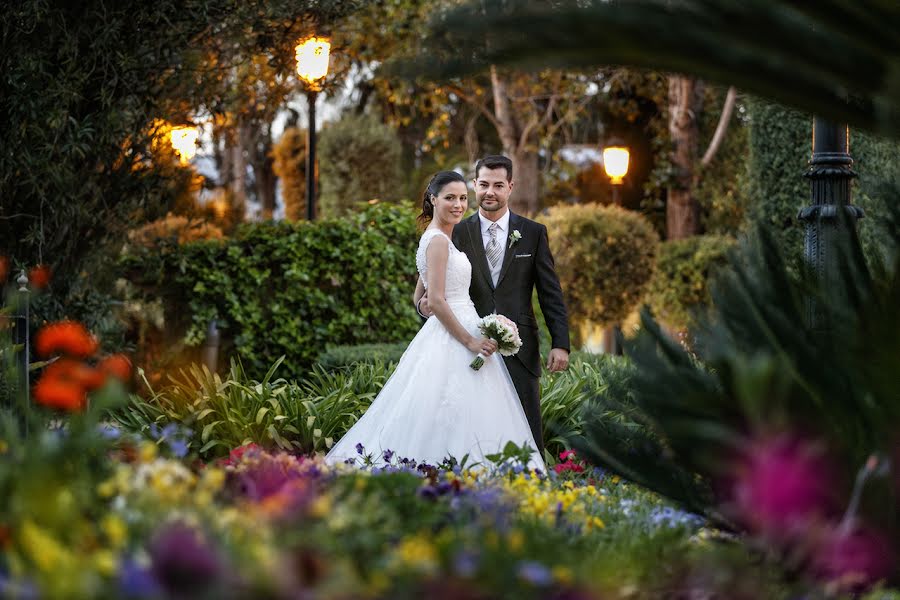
(459, 269)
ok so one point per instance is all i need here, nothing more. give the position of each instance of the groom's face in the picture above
(492, 189)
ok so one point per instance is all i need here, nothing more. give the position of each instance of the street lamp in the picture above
(184, 142)
(312, 66)
(615, 163)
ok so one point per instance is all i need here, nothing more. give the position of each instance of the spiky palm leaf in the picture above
(810, 55)
(757, 368)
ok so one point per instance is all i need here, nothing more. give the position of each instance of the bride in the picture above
(434, 405)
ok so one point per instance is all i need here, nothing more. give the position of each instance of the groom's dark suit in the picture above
(527, 265)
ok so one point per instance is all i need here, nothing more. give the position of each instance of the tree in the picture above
(715, 41)
(526, 113)
(83, 83)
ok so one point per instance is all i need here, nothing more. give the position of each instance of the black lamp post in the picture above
(831, 217)
(312, 66)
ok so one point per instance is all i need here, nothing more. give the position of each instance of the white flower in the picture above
(514, 237)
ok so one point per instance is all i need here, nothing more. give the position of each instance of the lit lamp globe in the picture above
(184, 142)
(312, 59)
(615, 163)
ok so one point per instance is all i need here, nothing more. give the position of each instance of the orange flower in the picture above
(39, 276)
(75, 372)
(116, 365)
(59, 393)
(66, 337)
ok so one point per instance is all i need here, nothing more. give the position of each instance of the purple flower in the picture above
(359, 448)
(784, 482)
(534, 573)
(136, 581)
(465, 563)
(182, 561)
(388, 454)
(854, 560)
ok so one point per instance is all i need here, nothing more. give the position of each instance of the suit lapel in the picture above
(473, 229)
(514, 223)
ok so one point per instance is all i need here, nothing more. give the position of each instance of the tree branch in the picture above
(721, 128)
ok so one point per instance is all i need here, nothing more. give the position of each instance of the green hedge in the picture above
(337, 357)
(680, 285)
(780, 148)
(604, 257)
(292, 289)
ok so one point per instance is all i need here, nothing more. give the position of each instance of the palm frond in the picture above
(835, 59)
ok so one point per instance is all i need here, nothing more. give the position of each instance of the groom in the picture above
(510, 257)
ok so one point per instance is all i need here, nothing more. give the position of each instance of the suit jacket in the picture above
(527, 265)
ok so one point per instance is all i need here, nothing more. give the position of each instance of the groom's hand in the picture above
(558, 360)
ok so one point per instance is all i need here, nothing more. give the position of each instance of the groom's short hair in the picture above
(495, 161)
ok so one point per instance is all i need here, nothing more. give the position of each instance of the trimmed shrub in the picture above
(359, 161)
(337, 357)
(680, 285)
(291, 289)
(604, 257)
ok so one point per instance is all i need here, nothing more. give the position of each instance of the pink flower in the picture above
(566, 454)
(853, 560)
(782, 485)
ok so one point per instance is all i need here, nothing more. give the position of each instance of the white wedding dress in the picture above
(434, 405)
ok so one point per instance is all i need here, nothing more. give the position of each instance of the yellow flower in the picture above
(114, 529)
(595, 523)
(320, 506)
(105, 562)
(44, 550)
(148, 451)
(562, 574)
(418, 553)
(516, 540)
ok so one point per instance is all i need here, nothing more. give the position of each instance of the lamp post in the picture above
(831, 217)
(615, 163)
(312, 66)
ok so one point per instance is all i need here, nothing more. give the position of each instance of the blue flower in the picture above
(465, 563)
(359, 448)
(178, 447)
(534, 573)
(388, 454)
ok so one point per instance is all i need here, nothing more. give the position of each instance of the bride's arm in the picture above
(420, 289)
(436, 256)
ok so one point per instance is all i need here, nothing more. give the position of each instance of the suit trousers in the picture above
(529, 389)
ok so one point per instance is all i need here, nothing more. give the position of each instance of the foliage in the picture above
(85, 84)
(175, 228)
(766, 389)
(360, 158)
(226, 413)
(289, 155)
(779, 152)
(344, 356)
(785, 65)
(680, 284)
(292, 289)
(566, 395)
(604, 257)
(723, 187)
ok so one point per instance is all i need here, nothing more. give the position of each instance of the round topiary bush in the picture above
(604, 258)
(680, 285)
(359, 160)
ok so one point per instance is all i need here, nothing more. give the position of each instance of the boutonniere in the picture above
(514, 237)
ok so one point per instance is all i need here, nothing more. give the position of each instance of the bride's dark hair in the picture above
(437, 183)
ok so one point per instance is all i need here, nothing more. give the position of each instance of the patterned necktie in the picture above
(493, 245)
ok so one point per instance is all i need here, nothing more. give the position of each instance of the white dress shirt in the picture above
(502, 237)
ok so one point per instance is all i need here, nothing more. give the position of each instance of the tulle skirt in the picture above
(435, 406)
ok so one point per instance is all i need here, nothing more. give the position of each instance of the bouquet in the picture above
(503, 331)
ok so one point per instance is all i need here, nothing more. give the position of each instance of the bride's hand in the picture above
(483, 346)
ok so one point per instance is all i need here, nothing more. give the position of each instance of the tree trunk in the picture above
(525, 197)
(682, 209)
(261, 160)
